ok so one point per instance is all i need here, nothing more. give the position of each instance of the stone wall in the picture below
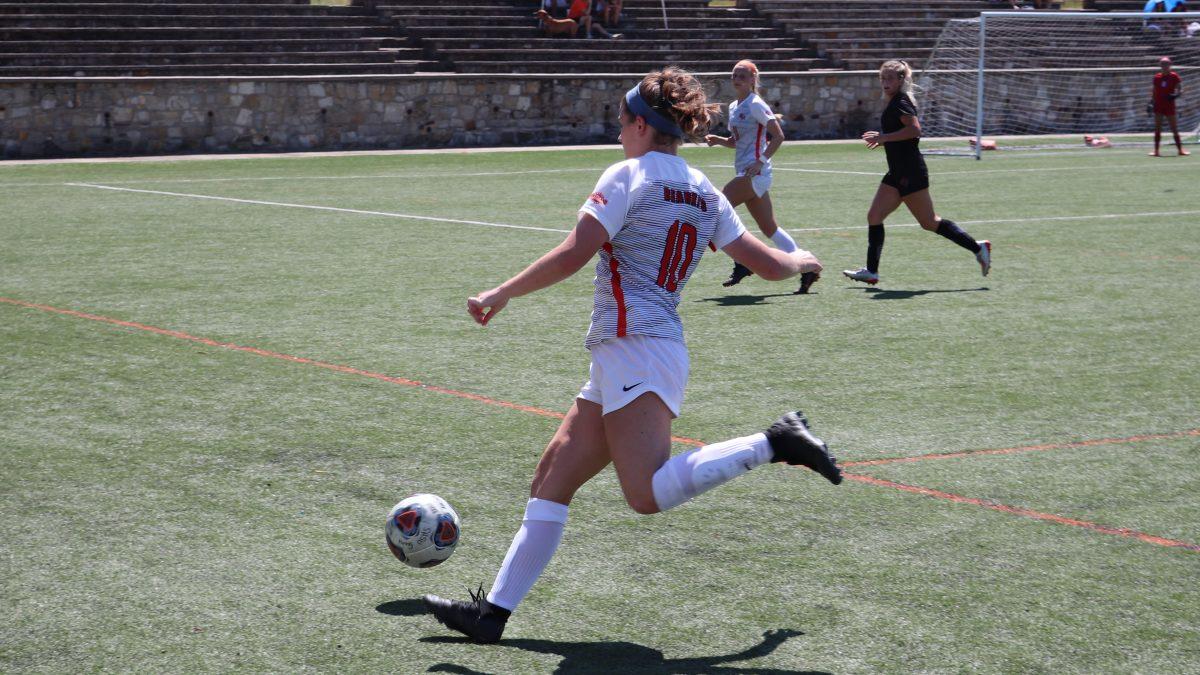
(63, 117)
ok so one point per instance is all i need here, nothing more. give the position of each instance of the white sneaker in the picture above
(863, 274)
(984, 256)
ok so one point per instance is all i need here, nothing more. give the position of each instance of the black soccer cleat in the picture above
(739, 272)
(792, 442)
(479, 619)
(806, 281)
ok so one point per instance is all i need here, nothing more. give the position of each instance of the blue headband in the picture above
(638, 106)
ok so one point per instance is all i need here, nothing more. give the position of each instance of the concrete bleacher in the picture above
(503, 36)
(1117, 5)
(262, 37)
(861, 34)
(198, 37)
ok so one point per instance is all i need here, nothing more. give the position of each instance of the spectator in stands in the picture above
(612, 12)
(907, 179)
(556, 8)
(1183, 23)
(755, 135)
(1167, 87)
(581, 11)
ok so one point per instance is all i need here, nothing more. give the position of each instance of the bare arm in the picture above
(559, 263)
(775, 131)
(723, 141)
(770, 263)
(776, 135)
(911, 129)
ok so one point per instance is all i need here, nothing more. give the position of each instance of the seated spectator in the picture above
(582, 11)
(556, 8)
(612, 12)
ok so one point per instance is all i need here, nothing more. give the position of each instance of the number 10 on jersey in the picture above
(677, 254)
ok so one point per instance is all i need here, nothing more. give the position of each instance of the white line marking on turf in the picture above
(1113, 167)
(1094, 216)
(1103, 167)
(247, 179)
(782, 168)
(853, 173)
(319, 208)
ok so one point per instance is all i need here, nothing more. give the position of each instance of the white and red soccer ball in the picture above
(422, 530)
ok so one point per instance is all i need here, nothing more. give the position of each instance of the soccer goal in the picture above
(1033, 75)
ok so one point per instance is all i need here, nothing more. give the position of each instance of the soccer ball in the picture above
(422, 530)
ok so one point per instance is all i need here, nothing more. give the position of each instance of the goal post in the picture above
(1031, 75)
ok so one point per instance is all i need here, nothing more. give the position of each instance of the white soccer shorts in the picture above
(624, 368)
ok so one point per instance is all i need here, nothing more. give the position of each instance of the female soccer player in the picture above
(751, 124)
(1167, 87)
(650, 218)
(907, 179)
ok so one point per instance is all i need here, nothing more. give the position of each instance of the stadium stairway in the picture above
(198, 37)
(503, 36)
(263, 37)
(861, 34)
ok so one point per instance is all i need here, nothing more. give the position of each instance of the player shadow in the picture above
(626, 657)
(745, 299)
(897, 294)
(409, 607)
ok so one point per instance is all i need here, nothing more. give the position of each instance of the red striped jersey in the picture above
(660, 215)
(748, 124)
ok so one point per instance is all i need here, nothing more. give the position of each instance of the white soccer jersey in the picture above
(660, 215)
(748, 124)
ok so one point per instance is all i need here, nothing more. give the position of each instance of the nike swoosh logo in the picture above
(631, 386)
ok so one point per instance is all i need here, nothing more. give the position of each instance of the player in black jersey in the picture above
(907, 179)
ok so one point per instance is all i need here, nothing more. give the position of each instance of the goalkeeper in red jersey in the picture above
(1167, 87)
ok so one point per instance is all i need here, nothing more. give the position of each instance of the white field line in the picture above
(1104, 216)
(882, 170)
(1039, 219)
(248, 179)
(385, 214)
(786, 166)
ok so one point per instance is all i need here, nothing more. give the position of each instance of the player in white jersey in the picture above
(650, 218)
(755, 136)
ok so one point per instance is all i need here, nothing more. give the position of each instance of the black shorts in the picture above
(908, 182)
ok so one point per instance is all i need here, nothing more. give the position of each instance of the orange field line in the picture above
(1025, 448)
(300, 359)
(1028, 513)
(1124, 532)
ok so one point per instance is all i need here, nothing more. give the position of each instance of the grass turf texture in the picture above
(169, 505)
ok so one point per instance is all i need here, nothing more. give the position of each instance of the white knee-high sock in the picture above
(531, 549)
(688, 474)
(783, 241)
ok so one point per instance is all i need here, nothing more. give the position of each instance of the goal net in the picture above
(1033, 75)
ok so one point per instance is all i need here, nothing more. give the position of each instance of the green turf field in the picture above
(178, 494)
